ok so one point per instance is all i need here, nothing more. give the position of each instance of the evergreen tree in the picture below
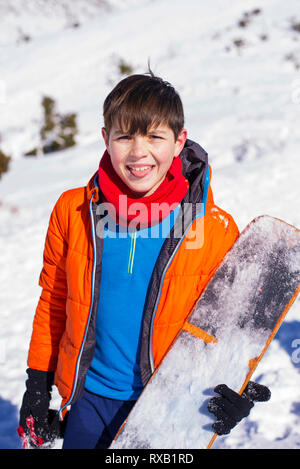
(57, 132)
(4, 163)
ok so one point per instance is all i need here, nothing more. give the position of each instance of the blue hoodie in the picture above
(128, 260)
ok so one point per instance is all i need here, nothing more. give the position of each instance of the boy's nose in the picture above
(138, 147)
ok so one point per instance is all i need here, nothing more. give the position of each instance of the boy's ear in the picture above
(181, 139)
(105, 137)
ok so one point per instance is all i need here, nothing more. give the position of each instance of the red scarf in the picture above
(141, 209)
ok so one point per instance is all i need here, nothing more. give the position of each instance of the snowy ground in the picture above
(241, 91)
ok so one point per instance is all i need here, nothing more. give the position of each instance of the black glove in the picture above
(232, 407)
(38, 425)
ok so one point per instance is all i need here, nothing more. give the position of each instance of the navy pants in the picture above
(94, 421)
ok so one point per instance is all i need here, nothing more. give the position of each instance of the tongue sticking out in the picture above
(140, 172)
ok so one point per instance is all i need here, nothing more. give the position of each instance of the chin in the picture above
(139, 192)
(139, 188)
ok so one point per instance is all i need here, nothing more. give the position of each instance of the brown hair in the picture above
(139, 102)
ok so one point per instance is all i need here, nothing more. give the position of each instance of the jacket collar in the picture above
(92, 188)
(194, 163)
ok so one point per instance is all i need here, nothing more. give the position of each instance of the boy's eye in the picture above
(124, 137)
(155, 136)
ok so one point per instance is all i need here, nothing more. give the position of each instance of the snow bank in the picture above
(240, 88)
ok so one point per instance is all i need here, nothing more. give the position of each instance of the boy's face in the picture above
(142, 161)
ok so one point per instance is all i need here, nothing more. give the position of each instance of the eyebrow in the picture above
(157, 131)
(151, 131)
(118, 132)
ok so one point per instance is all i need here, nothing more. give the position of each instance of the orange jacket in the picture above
(63, 336)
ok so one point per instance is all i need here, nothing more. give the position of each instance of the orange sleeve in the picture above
(225, 234)
(50, 315)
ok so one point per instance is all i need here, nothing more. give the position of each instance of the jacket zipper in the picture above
(201, 214)
(90, 311)
(132, 253)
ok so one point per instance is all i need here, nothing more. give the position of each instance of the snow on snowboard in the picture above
(222, 341)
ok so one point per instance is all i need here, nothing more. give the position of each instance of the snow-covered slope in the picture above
(23, 21)
(240, 86)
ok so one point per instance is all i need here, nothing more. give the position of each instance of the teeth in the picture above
(143, 168)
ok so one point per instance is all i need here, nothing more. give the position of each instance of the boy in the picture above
(124, 263)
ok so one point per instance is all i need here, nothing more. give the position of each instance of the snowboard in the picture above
(222, 341)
